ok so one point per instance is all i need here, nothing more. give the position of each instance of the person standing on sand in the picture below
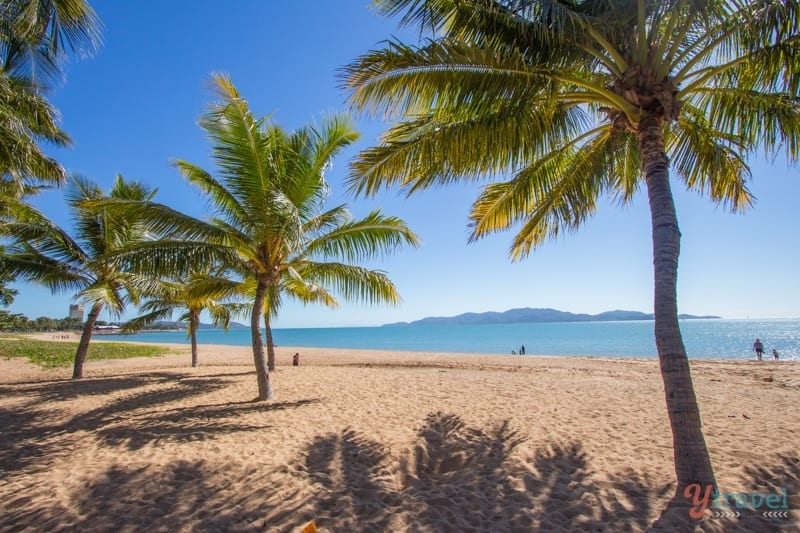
(775, 354)
(522, 350)
(758, 348)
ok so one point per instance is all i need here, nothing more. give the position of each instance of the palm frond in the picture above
(353, 283)
(430, 151)
(221, 198)
(31, 265)
(558, 194)
(170, 258)
(709, 161)
(373, 235)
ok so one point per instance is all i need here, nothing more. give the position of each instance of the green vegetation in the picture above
(59, 354)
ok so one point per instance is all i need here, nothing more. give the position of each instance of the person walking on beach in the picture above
(522, 350)
(758, 348)
(775, 354)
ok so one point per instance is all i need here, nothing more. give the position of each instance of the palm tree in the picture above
(196, 293)
(269, 196)
(575, 100)
(270, 227)
(44, 253)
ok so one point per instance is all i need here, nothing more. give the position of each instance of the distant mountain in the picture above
(527, 314)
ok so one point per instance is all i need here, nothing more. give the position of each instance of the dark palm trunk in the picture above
(265, 391)
(270, 344)
(86, 336)
(692, 462)
(194, 323)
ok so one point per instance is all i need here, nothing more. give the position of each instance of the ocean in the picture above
(704, 339)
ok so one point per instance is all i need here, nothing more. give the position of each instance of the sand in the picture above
(383, 441)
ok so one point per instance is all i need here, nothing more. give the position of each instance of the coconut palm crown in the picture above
(558, 103)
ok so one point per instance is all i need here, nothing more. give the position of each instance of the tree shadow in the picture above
(34, 438)
(459, 478)
(188, 424)
(46, 392)
(783, 474)
(455, 478)
(57, 390)
(142, 498)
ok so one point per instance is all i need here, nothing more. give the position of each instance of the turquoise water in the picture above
(704, 339)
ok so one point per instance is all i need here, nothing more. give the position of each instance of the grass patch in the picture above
(58, 354)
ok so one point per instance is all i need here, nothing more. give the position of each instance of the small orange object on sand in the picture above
(310, 528)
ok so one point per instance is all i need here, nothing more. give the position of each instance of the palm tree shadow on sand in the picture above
(459, 478)
(34, 436)
(455, 478)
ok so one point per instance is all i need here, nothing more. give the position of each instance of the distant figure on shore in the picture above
(758, 348)
(296, 359)
(522, 350)
(775, 354)
(513, 352)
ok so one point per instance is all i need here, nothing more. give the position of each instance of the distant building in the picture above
(76, 312)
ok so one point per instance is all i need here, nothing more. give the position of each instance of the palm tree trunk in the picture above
(270, 344)
(86, 336)
(692, 462)
(194, 323)
(265, 391)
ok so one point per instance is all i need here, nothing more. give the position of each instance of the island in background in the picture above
(527, 314)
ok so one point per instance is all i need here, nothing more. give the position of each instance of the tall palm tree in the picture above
(195, 293)
(46, 254)
(270, 225)
(575, 100)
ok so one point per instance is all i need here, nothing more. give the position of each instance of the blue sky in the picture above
(134, 107)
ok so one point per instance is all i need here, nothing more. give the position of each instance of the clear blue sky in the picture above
(134, 107)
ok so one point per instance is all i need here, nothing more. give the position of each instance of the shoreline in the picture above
(321, 354)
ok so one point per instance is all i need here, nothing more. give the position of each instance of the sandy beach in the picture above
(382, 441)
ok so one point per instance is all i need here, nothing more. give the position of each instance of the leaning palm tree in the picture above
(195, 293)
(46, 254)
(561, 102)
(270, 226)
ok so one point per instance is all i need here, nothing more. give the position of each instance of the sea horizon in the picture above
(703, 338)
